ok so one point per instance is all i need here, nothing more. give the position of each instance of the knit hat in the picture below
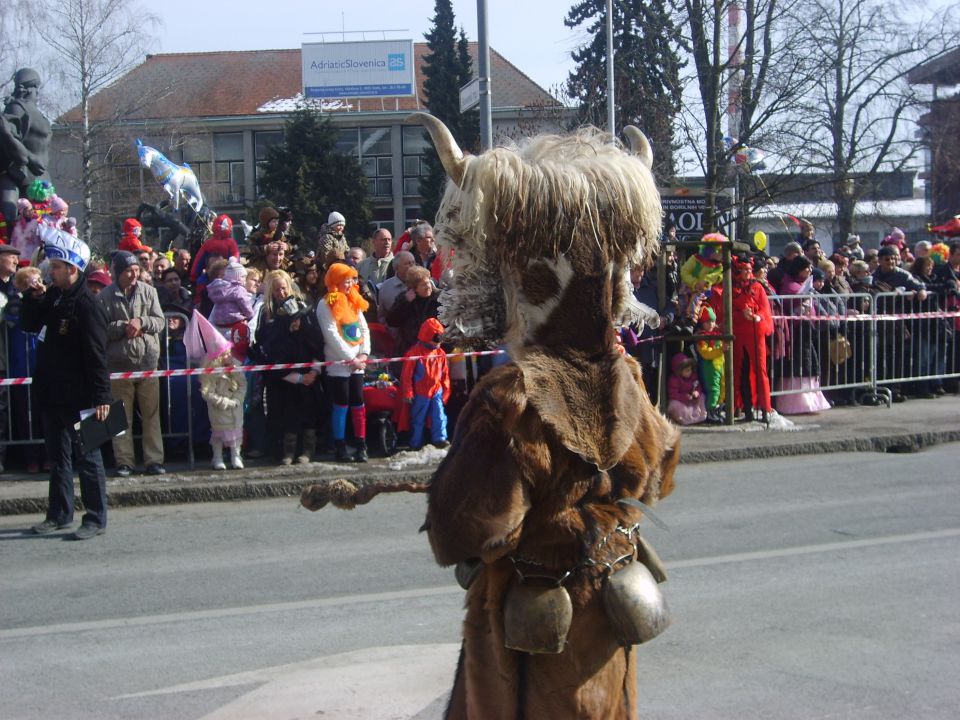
(202, 340)
(266, 215)
(235, 271)
(852, 239)
(336, 218)
(337, 273)
(121, 261)
(58, 204)
(708, 314)
(887, 251)
(818, 274)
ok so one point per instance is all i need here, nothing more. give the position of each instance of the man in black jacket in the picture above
(70, 376)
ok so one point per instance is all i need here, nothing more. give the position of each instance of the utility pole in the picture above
(611, 114)
(483, 63)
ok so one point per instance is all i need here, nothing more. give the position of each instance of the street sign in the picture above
(470, 95)
(686, 212)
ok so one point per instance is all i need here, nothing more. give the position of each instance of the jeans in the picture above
(63, 452)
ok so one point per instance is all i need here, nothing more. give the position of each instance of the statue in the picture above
(24, 141)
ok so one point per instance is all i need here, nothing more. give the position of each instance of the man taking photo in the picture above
(70, 376)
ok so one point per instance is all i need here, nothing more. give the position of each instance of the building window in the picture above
(229, 176)
(376, 159)
(262, 142)
(415, 145)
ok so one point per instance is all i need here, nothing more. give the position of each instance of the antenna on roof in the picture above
(355, 32)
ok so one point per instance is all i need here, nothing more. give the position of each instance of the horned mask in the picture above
(543, 235)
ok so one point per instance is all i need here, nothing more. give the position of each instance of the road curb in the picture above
(283, 482)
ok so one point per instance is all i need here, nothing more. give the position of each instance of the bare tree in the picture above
(859, 118)
(96, 41)
(748, 79)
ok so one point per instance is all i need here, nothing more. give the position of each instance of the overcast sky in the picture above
(528, 33)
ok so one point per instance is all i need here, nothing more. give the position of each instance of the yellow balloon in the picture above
(760, 240)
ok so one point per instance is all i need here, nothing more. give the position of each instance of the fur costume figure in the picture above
(223, 392)
(554, 451)
(425, 384)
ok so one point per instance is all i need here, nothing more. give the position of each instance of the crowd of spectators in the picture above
(273, 296)
(278, 297)
(813, 352)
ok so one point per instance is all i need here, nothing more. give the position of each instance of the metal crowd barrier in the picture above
(22, 419)
(862, 347)
(915, 343)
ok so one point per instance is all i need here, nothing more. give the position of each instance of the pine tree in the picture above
(646, 69)
(307, 174)
(445, 69)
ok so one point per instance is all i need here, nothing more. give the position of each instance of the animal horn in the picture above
(639, 145)
(450, 153)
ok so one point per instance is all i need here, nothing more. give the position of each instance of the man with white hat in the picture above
(70, 376)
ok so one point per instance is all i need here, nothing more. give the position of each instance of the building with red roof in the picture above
(221, 111)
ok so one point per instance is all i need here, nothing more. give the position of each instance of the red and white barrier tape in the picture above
(864, 316)
(143, 374)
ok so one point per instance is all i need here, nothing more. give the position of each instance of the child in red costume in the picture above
(425, 383)
(752, 325)
(220, 244)
(130, 240)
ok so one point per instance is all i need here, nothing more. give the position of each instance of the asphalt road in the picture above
(809, 587)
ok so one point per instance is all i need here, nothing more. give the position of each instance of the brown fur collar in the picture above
(592, 404)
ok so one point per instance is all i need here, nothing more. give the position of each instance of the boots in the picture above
(235, 461)
(217, 463)
(289, 448)
(309, 443)
(341, 452)
(360, 455)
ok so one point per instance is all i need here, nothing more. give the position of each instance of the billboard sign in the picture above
(373, 68)
(687, 211)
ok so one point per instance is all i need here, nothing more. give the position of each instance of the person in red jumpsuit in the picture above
(752, 325)
(425, 384)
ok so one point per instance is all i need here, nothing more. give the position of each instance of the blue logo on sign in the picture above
(396, 61)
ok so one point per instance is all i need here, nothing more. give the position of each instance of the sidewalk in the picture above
(905, 427)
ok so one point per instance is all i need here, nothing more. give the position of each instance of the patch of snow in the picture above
(284, 105)
(425, 456)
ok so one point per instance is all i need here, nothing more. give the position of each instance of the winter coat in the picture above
(231, 302)
(335, 347)
(328, 242)
(71, 372)
(142, 352)
(429, 373)
(406, 317)
(680, 388)
(224, 394)
(803, 358)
